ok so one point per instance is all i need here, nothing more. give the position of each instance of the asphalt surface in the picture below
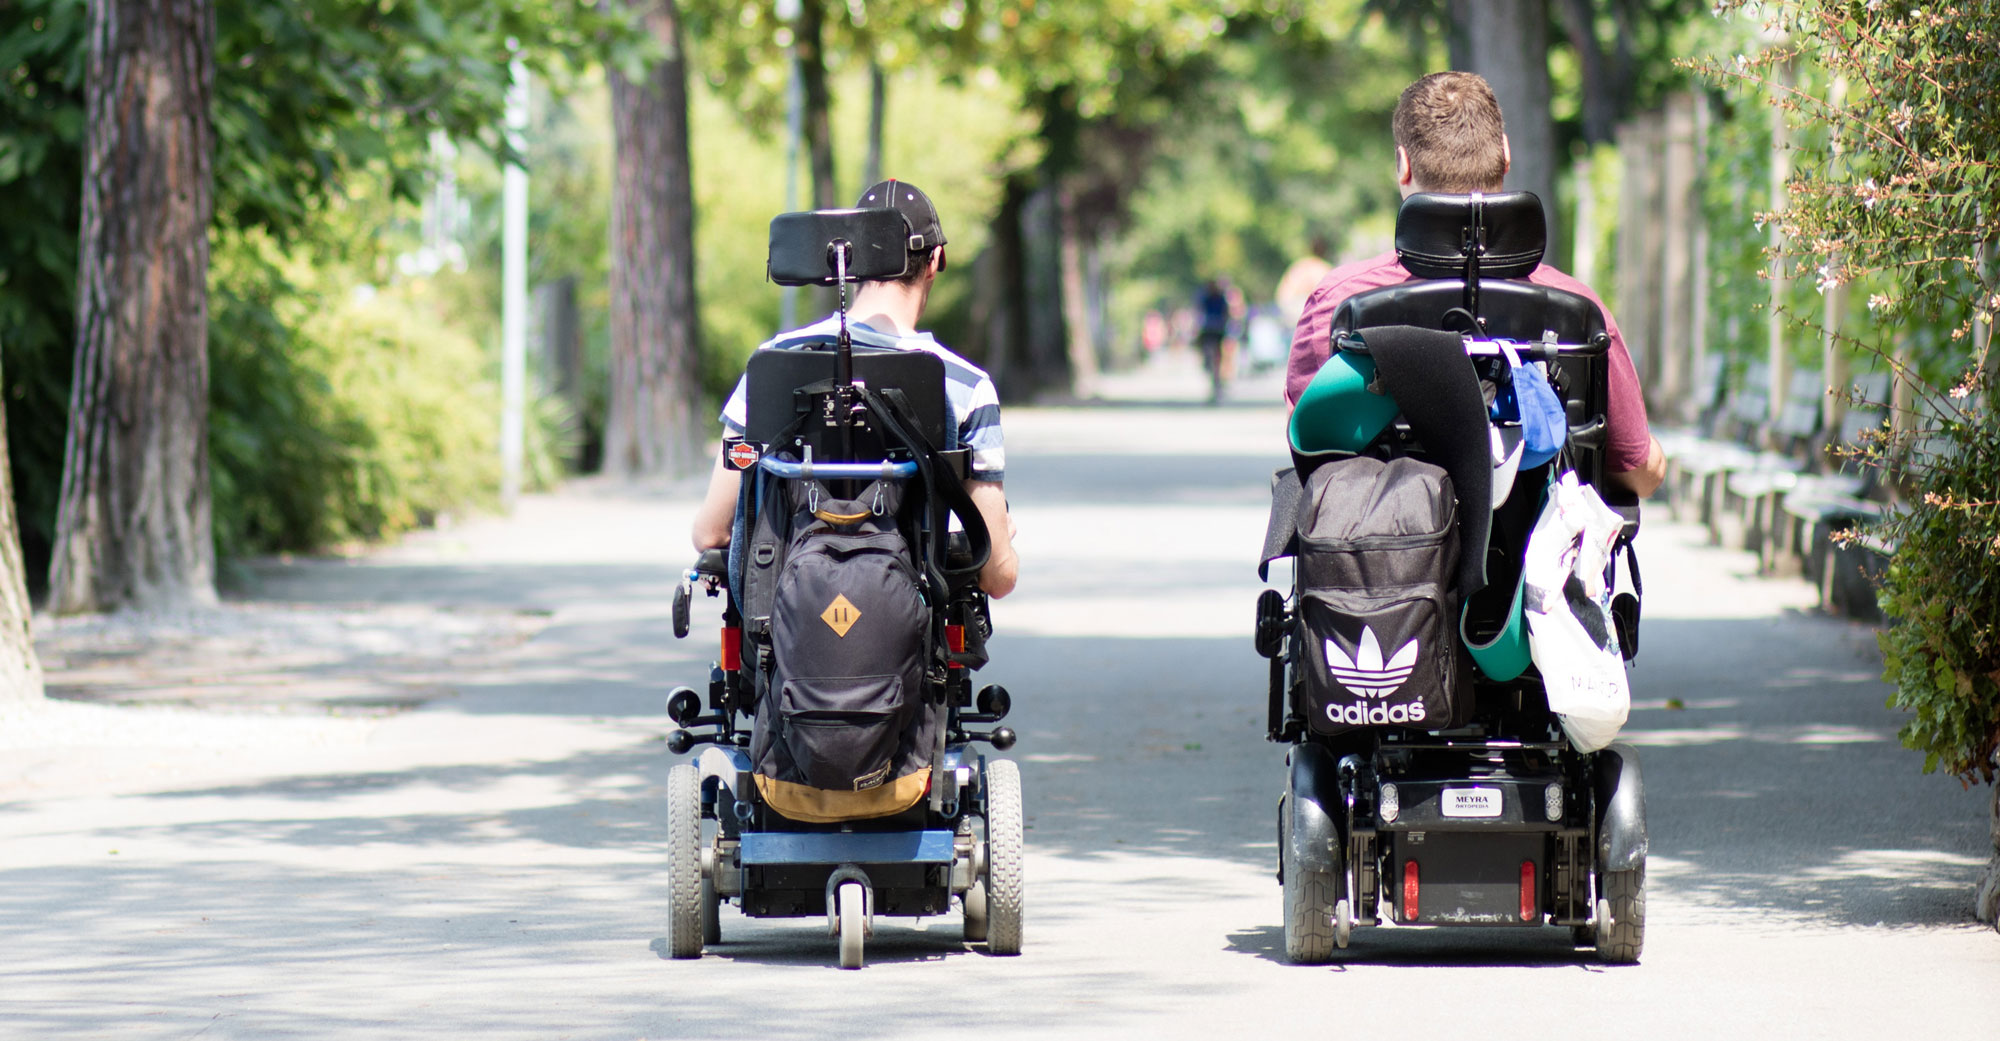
(491, 864)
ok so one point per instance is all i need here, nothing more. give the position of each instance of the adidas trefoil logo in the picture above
(1366, 673)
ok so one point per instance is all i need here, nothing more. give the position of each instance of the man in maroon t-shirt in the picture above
(1450, 138)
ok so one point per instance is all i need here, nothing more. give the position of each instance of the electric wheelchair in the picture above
(840, 779)
(1473, 809)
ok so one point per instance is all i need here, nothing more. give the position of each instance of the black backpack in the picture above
(846, 727)
(843, 609)
(1378, 551)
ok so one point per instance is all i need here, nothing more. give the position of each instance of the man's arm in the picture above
(1002, 566)
(717, 513)
(1646, 479)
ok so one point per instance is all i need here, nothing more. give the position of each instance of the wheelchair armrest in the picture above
(1625, 504)
(713, 562)
(957, 550)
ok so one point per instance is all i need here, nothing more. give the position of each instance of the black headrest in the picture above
(1434, 234)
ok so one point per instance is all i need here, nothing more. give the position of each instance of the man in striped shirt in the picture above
(885, 314)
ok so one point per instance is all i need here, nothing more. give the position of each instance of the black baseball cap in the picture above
(915, 206)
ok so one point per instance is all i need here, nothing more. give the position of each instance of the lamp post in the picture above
(514, 292)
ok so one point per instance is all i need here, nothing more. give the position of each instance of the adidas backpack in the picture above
(1378, 552)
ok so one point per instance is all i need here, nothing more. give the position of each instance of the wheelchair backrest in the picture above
(1470, 256)
(779, 386)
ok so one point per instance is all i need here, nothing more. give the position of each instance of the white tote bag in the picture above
(1568, 605)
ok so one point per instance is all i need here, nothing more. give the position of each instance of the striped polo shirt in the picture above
(973, 402)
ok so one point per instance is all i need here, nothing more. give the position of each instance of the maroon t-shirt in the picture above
(1627, 439)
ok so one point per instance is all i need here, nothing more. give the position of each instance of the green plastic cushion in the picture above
(1507, 655)
(1337, 412)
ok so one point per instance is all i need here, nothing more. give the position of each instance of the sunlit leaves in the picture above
(1894, 189)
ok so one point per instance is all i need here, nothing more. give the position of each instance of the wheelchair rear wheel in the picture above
(1004, 870)
(1621, 927)
(684, 881)
(1309, 906)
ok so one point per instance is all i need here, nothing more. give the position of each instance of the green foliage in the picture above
(335, 414)
(1247, 185)
(310, 92)
(1943, 590)
(41, 175)
(1895, 193)
(316, 101)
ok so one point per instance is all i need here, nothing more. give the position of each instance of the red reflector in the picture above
(954, 637)
(1409, 890)
(1527, 890)
(732, 649)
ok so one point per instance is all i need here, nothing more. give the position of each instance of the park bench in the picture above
(1815, 506)
(1752, 495)
(1730, 466)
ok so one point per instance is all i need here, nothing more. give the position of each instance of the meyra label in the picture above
(1470, 802)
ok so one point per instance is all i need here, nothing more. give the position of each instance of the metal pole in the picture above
(514, 293)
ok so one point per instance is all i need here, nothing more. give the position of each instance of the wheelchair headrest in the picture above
(1436, 234)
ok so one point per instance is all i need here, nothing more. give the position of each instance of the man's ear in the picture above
(937, 261)
(1402, 167)
(1506, 156)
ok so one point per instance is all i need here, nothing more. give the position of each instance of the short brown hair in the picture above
(1449, 124)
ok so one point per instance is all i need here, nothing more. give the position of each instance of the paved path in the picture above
(490, 865)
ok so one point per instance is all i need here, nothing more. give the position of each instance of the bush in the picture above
(339, 416)
(1893, 194)
(1943, 590)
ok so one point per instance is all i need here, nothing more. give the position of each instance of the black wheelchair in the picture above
(842, 419)
(1489, 817)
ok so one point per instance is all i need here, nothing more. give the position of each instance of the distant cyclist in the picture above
(1217, 306)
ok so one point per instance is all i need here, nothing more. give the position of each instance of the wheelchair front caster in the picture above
(853, 923)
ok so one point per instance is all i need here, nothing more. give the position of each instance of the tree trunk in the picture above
(562, 357)
(1046, 351)
(999, 291)
(1458, 33)
(651, 425)
(20, 670)
(1679, 210)
(1510, 47)
(1604, 83)
(132, 524)
(1077, 331)
(811, 50)
(878, 101)
(1779, 354)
